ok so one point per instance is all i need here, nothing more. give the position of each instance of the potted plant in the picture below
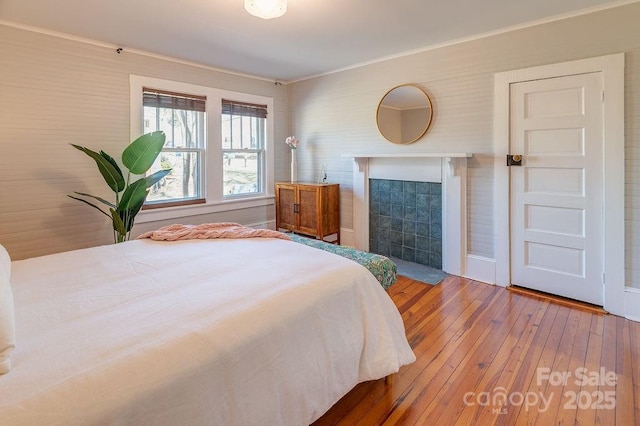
(138, 158)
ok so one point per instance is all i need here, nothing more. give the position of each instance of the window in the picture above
(182, 118)
(219, 145)
(243, 135)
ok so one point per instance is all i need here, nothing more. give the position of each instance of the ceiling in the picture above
(314, 37)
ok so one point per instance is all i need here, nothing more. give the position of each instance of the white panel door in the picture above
(556, 195)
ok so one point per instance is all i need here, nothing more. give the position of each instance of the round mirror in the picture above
(404, 114)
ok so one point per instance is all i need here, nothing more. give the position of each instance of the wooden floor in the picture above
(478, 345)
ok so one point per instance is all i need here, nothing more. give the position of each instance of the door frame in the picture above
(612, 69)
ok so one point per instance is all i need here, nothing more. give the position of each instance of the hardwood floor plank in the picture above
(471, 371)
(527, 414)
(624, 408)
(471, 337)
(404, 289)
(608, 362)
(592, 363)
(528, 362)
(634, 333)
(565, 396)
(449, 359)
(501, 373)
(430, 336)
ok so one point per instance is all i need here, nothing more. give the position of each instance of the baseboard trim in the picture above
(479, 268)
(269, 224)
(632, 304)
(347, 237)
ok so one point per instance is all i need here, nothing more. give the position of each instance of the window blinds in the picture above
(164, 99)
(244, 109)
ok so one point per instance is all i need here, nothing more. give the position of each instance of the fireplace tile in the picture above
(423, 215)
(406, 220)
(435, 202)
(384, 222)
(397, 211)
(396, 237)
(435, 260)
(422, 201)
(396, 224)
(409, 199)
(409, 240)
(374, 209)
(422, 257)
(436, 232)
(383, 248)
(409, 187)
(422, 229)
(422, 243)
(409, 213)
(397, 198)
(409, 227)
(408, 254)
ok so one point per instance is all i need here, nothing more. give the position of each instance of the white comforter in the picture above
(216, 332)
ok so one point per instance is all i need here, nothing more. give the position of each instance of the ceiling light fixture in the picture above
(266, 9)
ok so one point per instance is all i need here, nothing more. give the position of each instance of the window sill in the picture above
(154, 215)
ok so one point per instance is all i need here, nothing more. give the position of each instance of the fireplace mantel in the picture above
(453, 175)
(412, 155)
(362, 158)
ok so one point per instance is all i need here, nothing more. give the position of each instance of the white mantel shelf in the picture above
(412, 155)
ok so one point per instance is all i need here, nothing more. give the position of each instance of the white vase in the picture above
(294, 166)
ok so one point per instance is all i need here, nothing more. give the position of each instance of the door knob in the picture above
(514, 160)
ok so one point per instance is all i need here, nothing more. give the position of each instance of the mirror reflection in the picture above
(404, 114)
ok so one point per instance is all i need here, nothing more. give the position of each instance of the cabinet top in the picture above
(306, 183)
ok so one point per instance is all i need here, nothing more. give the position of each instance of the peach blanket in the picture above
(208, 231)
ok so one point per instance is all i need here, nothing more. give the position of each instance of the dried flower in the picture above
(292, 142)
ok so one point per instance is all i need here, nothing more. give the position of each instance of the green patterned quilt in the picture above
(380, 266)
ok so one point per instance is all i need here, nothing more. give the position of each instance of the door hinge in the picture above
(602, 95)
(603, 278)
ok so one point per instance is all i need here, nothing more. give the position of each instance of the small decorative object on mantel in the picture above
(293, 144)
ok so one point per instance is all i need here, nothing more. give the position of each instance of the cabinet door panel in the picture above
(308, 198)
(285, 214)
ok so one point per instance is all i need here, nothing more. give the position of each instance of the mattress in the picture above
(200, 332)
(381, 267)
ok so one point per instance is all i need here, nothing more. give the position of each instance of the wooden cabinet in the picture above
(308, 208)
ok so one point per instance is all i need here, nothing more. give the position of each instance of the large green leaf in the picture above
(155, 177)
(111, 160)
(89, 204)
(118, 225)
(102, 200)
(132, 201)
(140, 155)
(135, 194)
(112, 175)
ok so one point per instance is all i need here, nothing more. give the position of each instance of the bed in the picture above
(200, 332)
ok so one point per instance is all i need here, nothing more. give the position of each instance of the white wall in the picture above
(56, 91)
(335, 113)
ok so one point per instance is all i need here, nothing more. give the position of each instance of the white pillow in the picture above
(7, 319)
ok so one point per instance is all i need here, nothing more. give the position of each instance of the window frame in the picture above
(260, 150)
(212, 190)
(200, 150)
